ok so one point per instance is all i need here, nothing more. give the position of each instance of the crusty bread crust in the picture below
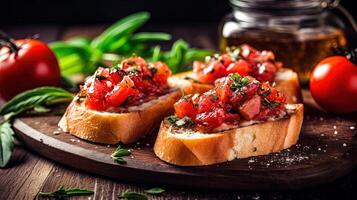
(194, 149)
(287, 81)
(112, 128)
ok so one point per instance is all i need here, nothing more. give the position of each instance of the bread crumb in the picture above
(321, 119)
(335, 132)
(334, 127)
(352, 127)
(56, 132)
(344, 144)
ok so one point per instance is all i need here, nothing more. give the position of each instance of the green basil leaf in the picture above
(119, 160)
(119, 152)
(176, 56)
(197, 54)
(155, 191)
(35, 97)
(150, 36)
(61, 192)
(133, 196)
(41, 109)
(156, 56)
(6, 143)
(121, 28)
(80, 41)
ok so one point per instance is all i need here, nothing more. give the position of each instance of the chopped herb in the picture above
(118, 154)
(155, 191)
(153, 70)
(238, 82)
(270, 104)
(100, 77)
(172, 119)
(177, 122)
(235, 77)
(61, 192)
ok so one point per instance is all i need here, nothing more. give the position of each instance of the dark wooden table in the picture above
(29, 173)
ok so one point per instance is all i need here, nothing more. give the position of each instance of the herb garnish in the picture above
(61, 192)
(6, 142)
(31, 99)
(139, 196)
(270, 104)
(177, 122)
(118, 154)
(85, 55)
(238, 82)
(133, 196)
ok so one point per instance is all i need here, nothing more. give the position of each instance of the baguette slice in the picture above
(189, 148)
(112, 128)
(287, 81)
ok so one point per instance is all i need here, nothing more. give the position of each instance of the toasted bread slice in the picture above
(286, 80)
(190, 148)
(112, 128)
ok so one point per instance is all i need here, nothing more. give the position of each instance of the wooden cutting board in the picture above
(326, 150)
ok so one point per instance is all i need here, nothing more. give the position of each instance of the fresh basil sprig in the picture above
(139, 196)
(6, 142)
(62, 192)
(83, 55)
(36, 97)
(31, 99)
(118, 154)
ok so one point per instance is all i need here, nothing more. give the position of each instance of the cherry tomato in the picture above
(333, 84)
(27, 65)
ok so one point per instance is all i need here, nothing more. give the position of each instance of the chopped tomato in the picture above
(185, 107)
(162, 72)
(250, 108)
(135, 79)
(244, 60)
(241, 67)
(234, 98)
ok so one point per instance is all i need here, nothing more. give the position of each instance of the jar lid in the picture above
(281, 7)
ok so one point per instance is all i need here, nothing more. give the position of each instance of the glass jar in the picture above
(299, 32)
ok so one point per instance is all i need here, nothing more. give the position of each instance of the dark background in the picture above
(65, 12)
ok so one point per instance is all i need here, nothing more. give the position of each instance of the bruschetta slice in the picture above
(121, 104)
(244, 60)
(240, 117)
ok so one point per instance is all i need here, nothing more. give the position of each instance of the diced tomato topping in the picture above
(243, 60)
(133, 83)
(233, 99)
(250, 108)
(185, 107)
(161, 72)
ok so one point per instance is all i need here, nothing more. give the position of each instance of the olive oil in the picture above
(300, 50)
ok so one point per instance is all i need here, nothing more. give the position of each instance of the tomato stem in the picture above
(7, 41)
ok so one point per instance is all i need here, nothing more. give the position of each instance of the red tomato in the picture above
(32, 65)
(333, 85)
(185, 107)
(162, 74)
(241, 67)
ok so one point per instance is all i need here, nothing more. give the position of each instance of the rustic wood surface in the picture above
(30, 173)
